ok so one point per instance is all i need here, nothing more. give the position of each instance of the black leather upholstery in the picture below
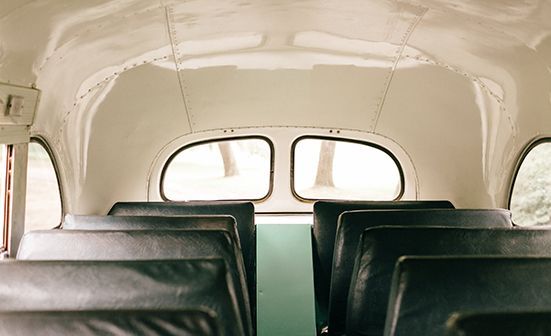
(353, 223)
(502, 323)
(382, 246)
(121, 285)
(110, 322)
(326, 214)
(426, 291)
(139, 245)
(197, 222)
(243, 212)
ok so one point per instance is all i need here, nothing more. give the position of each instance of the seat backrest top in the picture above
(326, 214)
(527, 323)
(190, 322)
(381, 247)
(139, 245)
(185, 222)
(427, 290)
(121, 285)
(243, 212)
(353, 223)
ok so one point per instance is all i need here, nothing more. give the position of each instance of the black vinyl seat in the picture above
(510, 323)
(427, 290)
(243, 212)
(381, 247)
(353, 223)
(326, 214)
(192, 322)
(140, 245)
(125, 223)
(121, 285)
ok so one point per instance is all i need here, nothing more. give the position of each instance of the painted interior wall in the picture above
(460, 88)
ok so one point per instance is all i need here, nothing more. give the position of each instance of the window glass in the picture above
(220, 170)
(43, 202)
(531, 197)
(331, 169)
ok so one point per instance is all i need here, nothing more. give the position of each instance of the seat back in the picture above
(353, 223)
(198, 322)
(243, 212)
(326, 214)
(527, 323)
(427, 290)
(121, 285)
(381, 247)
(125, 223)
(139, 245)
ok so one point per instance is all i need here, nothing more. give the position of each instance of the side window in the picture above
(341, 169)
(230, 169)
(43, 203)
(4, 193)
(531, 196)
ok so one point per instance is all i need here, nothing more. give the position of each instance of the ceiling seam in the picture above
(405, 39)
(169, 14)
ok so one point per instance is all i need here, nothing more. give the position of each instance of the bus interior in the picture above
(308, 167)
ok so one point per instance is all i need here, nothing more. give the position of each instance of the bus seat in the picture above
(139, 245)
(427, 290)
(381, 247)
(353, 223)
(514, 323)
(326, 214)
(243, 212)
(190, 322)
(188, 222)
(121, 285)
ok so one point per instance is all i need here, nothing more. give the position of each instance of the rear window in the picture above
(531, 196)
(339, 169)
(229, 169)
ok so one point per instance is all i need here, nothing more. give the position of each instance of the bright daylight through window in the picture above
(332, 169)
(531, 198)
(220, 170)
(43, 202)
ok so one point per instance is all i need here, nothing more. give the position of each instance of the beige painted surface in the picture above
(457, 89)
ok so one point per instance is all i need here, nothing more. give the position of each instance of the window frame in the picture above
(334, 138)
(45, 145)
(520, 161)
(219, 139)
(7, 198)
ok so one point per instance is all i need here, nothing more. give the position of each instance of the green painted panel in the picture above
(285, 280)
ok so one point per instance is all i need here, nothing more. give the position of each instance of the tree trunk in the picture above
(324, 176)
(230, 164)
